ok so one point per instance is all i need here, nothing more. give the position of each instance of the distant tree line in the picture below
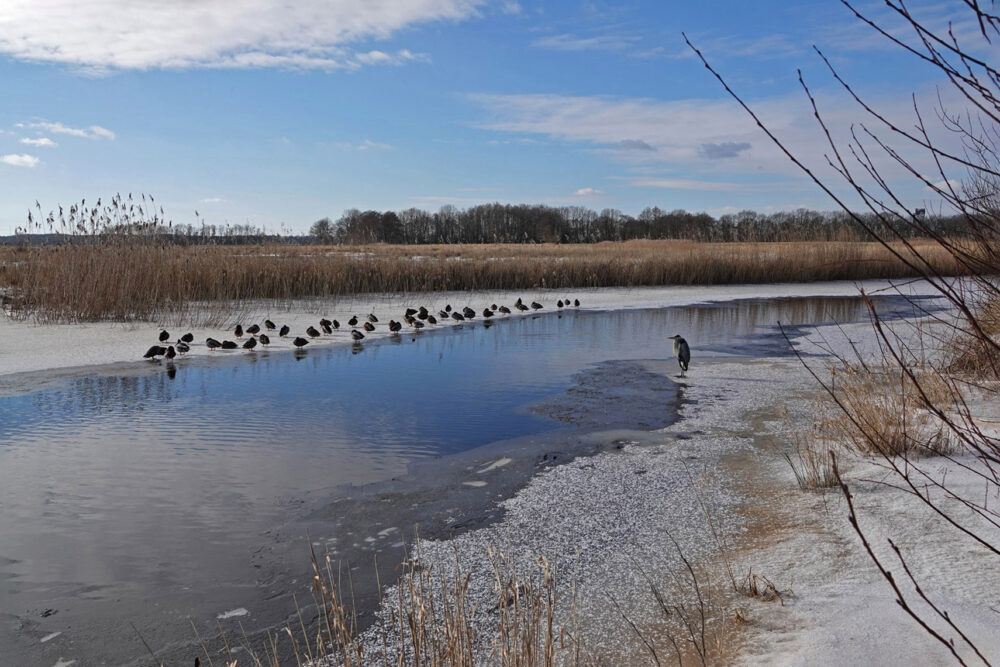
(508, 223)
(139, 220)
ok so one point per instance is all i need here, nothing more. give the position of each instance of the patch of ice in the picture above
(233, 613)
(476, 483)
(499, 463)
(50, 637)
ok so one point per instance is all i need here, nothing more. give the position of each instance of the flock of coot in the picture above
(416, 318)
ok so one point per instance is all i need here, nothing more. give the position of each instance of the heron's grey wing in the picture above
(684, 354)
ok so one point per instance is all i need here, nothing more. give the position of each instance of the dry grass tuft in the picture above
(887, 412)
(812, 466)
(760, 587)
(974, 356)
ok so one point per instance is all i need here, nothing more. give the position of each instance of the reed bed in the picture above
(140, 280)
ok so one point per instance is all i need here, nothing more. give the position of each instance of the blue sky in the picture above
(278, 113)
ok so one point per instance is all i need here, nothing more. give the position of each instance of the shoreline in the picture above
(30, 347)
(605, 520)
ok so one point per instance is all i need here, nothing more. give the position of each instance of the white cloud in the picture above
(588, 192)
(92, 132)
(211, 200)
(40, 141)
(144, 34)
(16, 160)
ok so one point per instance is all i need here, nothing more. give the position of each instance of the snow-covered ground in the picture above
(26, 346)
(838, 608)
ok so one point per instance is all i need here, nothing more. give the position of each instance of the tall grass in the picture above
(145, 279)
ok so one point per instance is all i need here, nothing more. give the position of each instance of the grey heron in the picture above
(682, 352)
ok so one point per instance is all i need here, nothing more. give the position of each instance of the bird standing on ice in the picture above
(682, 352)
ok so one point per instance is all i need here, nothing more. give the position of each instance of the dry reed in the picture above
(139, 280)
(883, 411)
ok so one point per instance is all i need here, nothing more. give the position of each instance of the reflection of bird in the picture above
(229, 345)
(682, 352)
(284, 331)
(164, 336)
(250, 344)
(155, 351)
(300, 341)
(212, 344)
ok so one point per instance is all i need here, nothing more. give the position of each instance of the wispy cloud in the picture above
(766, 47)
(144, 34)
(699, 138)
(92, 132)
(23, 160)
(366, 145)
(212, 200)
(588, 192)
(43, 142)
(571, 42)
(400, 57)
(634, 145)
(726, 149)
(511, 7)
(685, 184)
